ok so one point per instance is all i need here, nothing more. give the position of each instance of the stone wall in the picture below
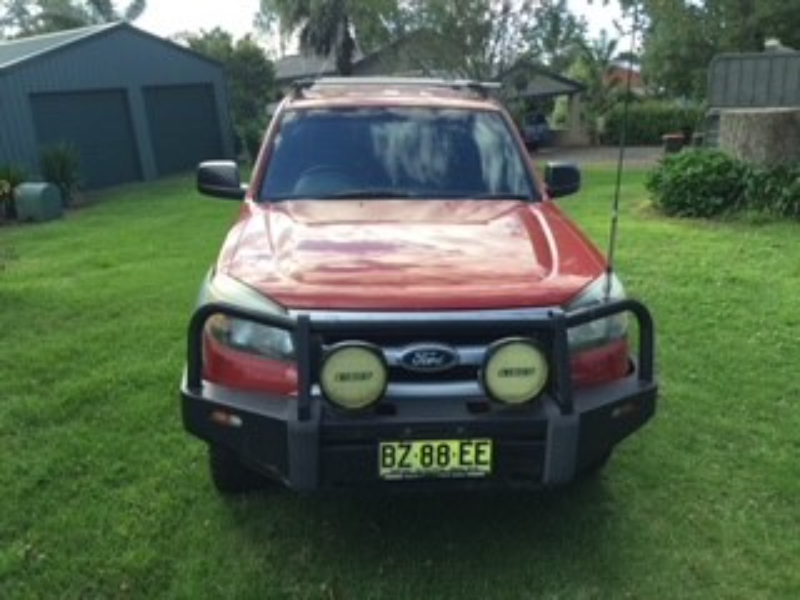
(761, 136)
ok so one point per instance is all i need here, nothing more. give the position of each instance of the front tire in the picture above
(594, 468)
(229, 474)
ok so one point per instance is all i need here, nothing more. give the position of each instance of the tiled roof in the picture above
(300, 66)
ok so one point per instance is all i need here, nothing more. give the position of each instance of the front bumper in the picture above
(309, 445)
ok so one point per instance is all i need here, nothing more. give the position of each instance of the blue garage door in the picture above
(184, 127)
(98, 123)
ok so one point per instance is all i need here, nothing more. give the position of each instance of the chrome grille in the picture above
(462, 380)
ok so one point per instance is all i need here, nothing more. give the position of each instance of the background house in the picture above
(619, 74)
(538, 88)
(425, 54)
(135, 106)
(419, 54)
(301, 66)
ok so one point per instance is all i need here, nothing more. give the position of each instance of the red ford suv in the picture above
(401, 304)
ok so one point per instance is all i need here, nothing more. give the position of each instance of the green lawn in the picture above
(103, 495)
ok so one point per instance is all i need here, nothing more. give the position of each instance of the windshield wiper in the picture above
(480, 196)
(366, 193)
(493, 196)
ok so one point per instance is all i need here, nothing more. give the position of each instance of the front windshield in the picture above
(395, 153)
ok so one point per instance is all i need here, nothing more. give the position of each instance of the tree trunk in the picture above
(761, 136)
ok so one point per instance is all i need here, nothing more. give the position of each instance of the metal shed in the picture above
(750, 80)
(755, 80)
(136, 106)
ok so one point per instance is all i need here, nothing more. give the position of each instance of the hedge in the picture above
(649, 121)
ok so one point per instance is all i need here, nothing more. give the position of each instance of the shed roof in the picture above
(545, 84)
(13, 52)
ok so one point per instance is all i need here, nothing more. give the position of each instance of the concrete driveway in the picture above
(601, 155)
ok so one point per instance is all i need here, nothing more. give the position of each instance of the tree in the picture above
(378, 23)
(105, 11)
(24, 18)
(478, 38)
(485, 37)
(594, 69)
(325, 26)
(682, 36)
(13, 12)
(251, 79)
(677, 54)
(556, 35)
(216, 44)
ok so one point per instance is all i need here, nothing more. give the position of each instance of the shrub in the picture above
(61, 166)
(707, 183)
(649, 121)
(774, 190)
(251, 134)
(10, 177)
(699, 183)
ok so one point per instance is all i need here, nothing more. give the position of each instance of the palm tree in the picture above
(58, 15)
(104, 11)
(594, 68)
(325, 26)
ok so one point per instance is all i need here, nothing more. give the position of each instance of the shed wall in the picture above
(767, 80)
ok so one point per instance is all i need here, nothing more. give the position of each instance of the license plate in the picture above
(414, 459)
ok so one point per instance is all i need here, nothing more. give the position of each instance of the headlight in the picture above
(246, 336)
(515, 371)
(354, 375)
(601, 331)
(241, 335)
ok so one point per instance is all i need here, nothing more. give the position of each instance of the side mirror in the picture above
(220, 178)
(562, 179)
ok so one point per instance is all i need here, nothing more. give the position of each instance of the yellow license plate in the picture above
(414, 459)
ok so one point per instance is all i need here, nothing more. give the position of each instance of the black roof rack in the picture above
(483, 89)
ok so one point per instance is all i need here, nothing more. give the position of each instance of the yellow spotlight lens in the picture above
(515, 371)
(354, 376)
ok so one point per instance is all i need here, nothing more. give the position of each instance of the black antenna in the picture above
(623, 141)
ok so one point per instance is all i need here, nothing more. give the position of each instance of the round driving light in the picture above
(354, 376)
(515, 371)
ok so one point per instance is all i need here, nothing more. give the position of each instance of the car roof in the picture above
(372, 91)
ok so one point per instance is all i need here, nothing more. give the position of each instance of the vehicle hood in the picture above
(410, 255)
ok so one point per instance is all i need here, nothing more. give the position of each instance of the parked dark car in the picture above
(536, 132)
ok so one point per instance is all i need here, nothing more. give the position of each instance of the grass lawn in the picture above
(103, 495)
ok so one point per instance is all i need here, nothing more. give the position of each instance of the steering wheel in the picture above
(322, 180)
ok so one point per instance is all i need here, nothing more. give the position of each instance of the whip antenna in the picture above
(623, 140)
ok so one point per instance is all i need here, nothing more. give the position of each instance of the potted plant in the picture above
(10, 177)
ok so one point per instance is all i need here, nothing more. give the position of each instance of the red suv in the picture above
(401, 304)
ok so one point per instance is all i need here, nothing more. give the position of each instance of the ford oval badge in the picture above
(428, 358)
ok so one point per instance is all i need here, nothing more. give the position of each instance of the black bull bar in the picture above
(307, 332)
